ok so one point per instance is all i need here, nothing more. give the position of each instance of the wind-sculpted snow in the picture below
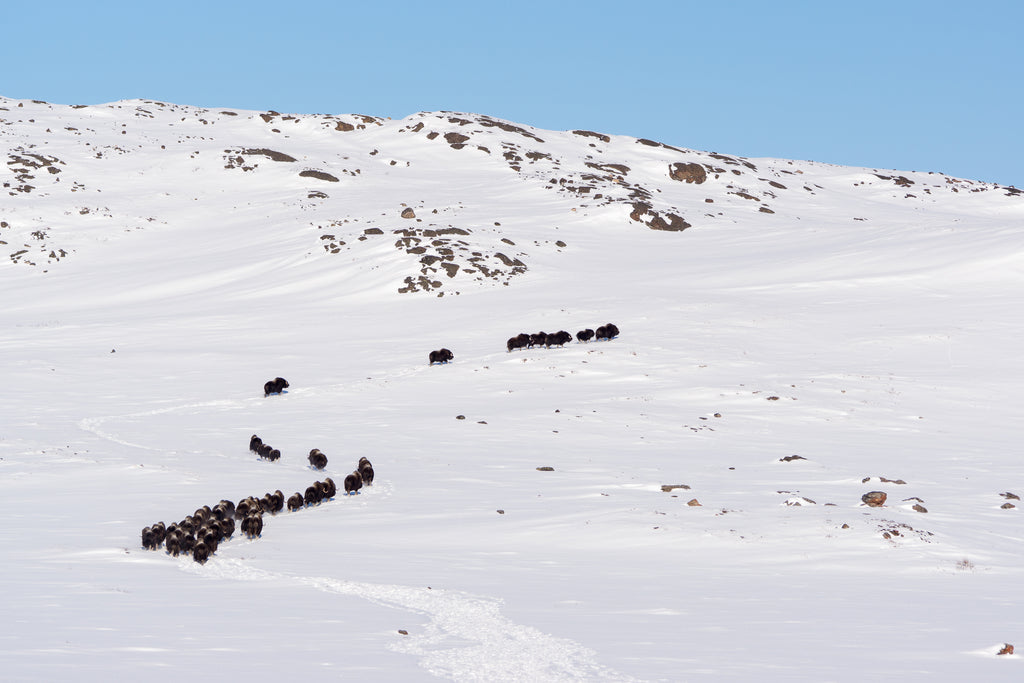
(698, 497)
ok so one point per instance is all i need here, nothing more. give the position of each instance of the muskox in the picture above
(366, 472)
(295, 502)
(246, 507)
(275, 386)
(173, 543)
(252, 525)
(330, 490)
(558, 338)
(227, 527)
(609, 331)
(520, 341)
(149, 537)
(317, 459)
(538, 339)
(224, 510)
(201, 553)
(585, 335)
(353, 483)
(273, 502)
(440, 356)
(313, 495)
(254, 443)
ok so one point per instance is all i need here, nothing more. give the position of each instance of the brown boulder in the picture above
(874, 498)
(687, 173)
(407, 212)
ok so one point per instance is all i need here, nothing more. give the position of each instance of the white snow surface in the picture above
(158, 265)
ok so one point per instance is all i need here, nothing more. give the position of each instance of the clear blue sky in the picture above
(916, 85)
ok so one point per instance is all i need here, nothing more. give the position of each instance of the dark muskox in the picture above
(227, 527)
(366, 473)
(295, 502)
(313, 495)
(353, 483)
(441, 356)
(149, 537)
(609, 331)
(538, 339)
(585, 335)
(173, 542)
(224, 510)
(317, 459)
(264, 449)
(252, 525)
(275, 386)
(201, 553)
(202, 515)
(520, 341)
(273, 502)
(254, 443)
(246, 507)
(188, 542)
(330, 489)
(558, 338)
(210, 538)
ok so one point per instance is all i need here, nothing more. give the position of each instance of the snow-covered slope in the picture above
(160, 262)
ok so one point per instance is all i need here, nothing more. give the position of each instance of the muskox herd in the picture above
(440, 356)
(547, 340)
(202, 532)
(264, 450)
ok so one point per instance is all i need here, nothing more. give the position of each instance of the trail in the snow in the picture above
(467, 638)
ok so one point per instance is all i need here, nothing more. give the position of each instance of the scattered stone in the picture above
(545, 469)
(845, 526)
(403, 631)
(790, 458)
(688, 173)
(460, 417)
(874, 498)
(407, 212)
(1007, 506)
(693, 503)
(319, 175)
(920, 508)
(672, 487)
(1010, 496)
(1007, 649)
(501, 512)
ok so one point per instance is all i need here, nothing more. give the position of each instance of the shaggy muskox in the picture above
(248, 506)
(609, 331)
(252, 525)
(585, 335)
(153, 536)
(273, 502)
(295, 502)
(353, 483)
(365, 470)
(313, 495)
(201, 553)
(538, 339)
(557, 339)
(441, 356)
(520, 341)
(317, 459)
(330, 490)
(254, 443)
(275, 386)
(224, 510)
(173, 543)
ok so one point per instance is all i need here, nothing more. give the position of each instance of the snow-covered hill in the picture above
(614, 510)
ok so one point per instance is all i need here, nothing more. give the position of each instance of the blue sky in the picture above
(924, 86)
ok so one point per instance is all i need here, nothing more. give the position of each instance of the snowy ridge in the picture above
(684, 501)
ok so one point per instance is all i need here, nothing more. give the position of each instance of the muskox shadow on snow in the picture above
(440, 356)
(275, 386)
